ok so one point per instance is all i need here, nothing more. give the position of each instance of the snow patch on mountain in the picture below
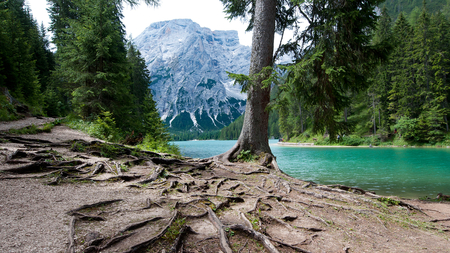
(189, 66)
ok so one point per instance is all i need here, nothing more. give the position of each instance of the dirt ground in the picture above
(67, 192)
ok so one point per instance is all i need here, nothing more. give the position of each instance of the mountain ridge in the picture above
(188, 65)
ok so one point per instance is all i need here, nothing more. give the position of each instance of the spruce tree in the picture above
(18, 73)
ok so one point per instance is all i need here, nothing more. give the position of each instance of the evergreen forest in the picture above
(94, 76)
(405, 100)
(98, 79)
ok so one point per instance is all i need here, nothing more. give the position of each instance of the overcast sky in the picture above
(207, 13)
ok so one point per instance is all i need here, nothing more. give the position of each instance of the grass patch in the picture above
(389, 201)
(174, 230)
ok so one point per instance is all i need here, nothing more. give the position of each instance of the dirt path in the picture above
(18, 124)
(62, 195)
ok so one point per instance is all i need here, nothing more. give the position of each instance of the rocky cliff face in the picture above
(188, 65)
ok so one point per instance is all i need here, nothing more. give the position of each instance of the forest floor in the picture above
(67, 192)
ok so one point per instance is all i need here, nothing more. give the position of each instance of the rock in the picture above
(188, 65)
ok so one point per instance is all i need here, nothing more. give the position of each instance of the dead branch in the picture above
(256, 235)
(224, 243)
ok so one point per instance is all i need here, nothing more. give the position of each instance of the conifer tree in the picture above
(382, 78)
(18, 72)
(337, 59)
(441, 66)
(400, 96)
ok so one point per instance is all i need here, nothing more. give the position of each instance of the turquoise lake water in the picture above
(404, 172)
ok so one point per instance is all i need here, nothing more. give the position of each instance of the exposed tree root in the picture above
(30, 168)
(179, 240)
(289, 246)
(149, 203)
(137, 225)
(81, 216)
(290, 227)
(157, 173)
(101, 203)
(255, 235)
(115, 240)
(438, 220)
(348, 188)
(71, 248)
(223, 239)
(148, 242)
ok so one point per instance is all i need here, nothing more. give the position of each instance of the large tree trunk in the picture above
(254, 134)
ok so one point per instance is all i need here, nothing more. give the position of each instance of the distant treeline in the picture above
(230, 132)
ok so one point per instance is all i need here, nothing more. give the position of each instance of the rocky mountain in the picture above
(188, 65)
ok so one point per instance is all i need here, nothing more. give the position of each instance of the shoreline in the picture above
(306, 144)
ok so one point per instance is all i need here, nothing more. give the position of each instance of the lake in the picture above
(404, 172)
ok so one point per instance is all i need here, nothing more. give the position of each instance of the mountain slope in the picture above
(188, 66)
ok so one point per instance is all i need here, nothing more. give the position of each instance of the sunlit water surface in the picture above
(405, 172)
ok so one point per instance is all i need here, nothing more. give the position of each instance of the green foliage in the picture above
(246, 156)
(158, 145)
(25, 58)
(105, 78)
(389, 201)
(336, 62)
(104, 127)
(408, 91)
(395, 7)
(7, 110)
(174, 230)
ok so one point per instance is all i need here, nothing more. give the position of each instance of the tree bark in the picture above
(254, 134)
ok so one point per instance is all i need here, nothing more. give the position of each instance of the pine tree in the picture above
(441, 66)
(401, 95)
(382, 78)
(18, 72)
(93, 62)
(337, 59)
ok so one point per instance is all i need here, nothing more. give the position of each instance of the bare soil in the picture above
(68, 192)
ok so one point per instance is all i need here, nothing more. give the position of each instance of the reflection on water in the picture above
(406, 172)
